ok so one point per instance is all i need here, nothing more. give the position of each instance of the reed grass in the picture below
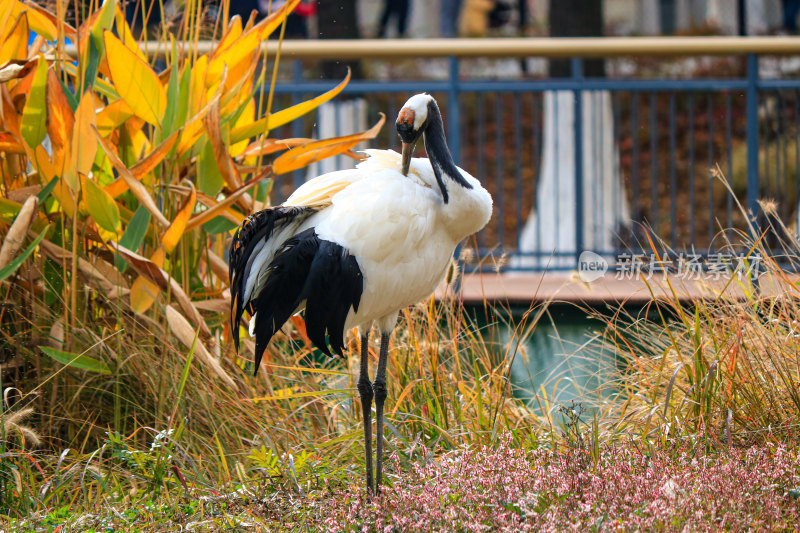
(112, 407)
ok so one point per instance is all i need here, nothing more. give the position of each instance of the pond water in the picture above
(559, 362)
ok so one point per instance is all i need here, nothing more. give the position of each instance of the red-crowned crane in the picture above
(354, 247)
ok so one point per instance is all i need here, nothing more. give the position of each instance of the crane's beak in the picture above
(408, 151)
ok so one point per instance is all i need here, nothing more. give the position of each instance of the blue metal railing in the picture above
(660, 129)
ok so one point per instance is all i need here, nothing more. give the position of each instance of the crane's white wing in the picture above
(318, 192)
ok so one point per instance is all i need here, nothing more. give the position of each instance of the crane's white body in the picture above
(398, 228)
(355, 247)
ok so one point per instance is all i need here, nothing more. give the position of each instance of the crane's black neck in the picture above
(439, 153)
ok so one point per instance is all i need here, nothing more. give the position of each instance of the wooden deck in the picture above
(525, 288)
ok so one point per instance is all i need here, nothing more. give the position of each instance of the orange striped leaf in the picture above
(285, 116)
(16, 42)
(315, 151)
(176, 230)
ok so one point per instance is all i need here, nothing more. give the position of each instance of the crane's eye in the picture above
(406, 118)
(405, 126)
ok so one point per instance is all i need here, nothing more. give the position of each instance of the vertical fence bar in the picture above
(635, 160)
(498, 154)
(692, 207)
(653, 162)
(481, 143)
(780, 172)
(673, 184)
(597, 199)
(453, 123)
(577, 76)
(729, 147)
(710, 115)
(536, 159)
(796, 152)
(751, 107)
(616, 130)
(556, 134)
(517, 165)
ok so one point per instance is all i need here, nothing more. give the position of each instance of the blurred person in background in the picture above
(296, 25)
(244, 8)
(397, 8)
(791, 8)
(449, 13)
(143, 15)
(479, 16)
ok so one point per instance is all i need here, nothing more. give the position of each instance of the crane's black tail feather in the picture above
(253, 235)
(318, 272)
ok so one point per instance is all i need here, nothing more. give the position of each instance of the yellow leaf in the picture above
(143, 293)
(60, 119)
(84, 147)
(144, 166)
(193, 128)
(104, 17)
(16, 43)
(155, 156)
(124, 31)
(33, 127)
(245, 118)
(314, 151)
(176, 230)
(184, 332)
(232, 51)
(140, 144)
(113, 116)
(63, 194)
(270, 146)
(9, 144)
(284, 116)
(39, 20)
(164, 282)
(222, 208)
(138, 189)
(197, 84)
(135, 81)
(221, 155)
(232, 33)
(100, 205)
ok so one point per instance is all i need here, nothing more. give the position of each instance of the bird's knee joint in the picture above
(365, 388)
(380, 390)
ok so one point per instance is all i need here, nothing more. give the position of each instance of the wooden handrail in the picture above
(513, 47)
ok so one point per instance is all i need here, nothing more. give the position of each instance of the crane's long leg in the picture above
(380, 395)
(365, 390)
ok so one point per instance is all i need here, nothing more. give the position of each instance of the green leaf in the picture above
(53, 281)
(134, 234)
(44, 194)
(8, 210)
(173, 100)
(101, 206)
(136, 230)
(183, 100)
(73, 101)
(34, 116)
(218, 225)
(209, 178)
(75, 360)
(93, 63)
(105, 20)
(15, 264)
